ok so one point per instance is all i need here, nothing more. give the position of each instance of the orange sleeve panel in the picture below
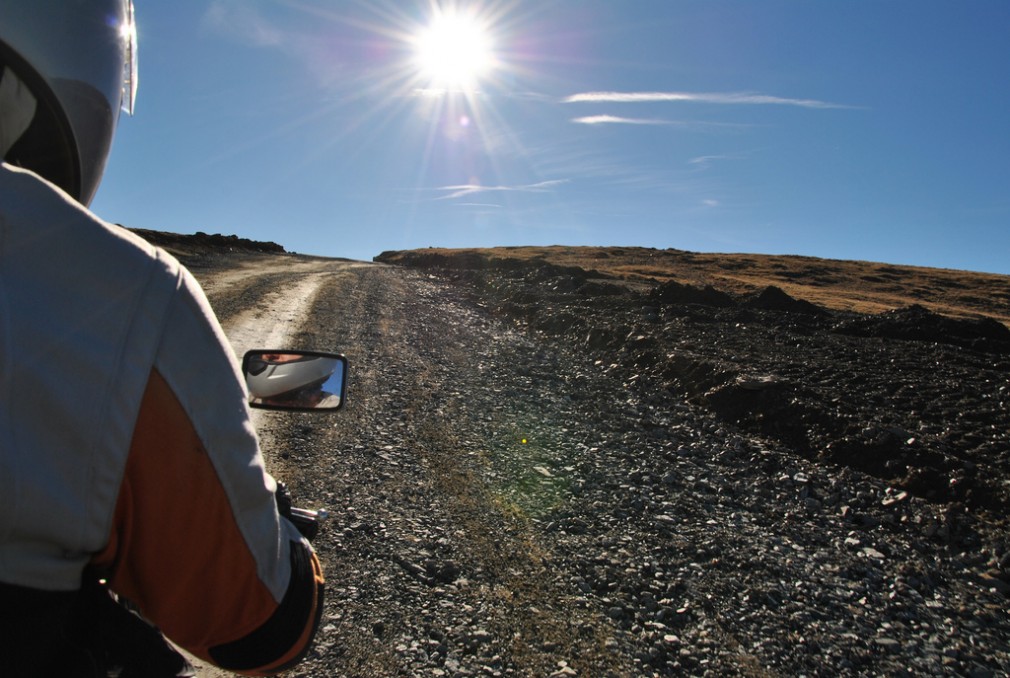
(177, 553)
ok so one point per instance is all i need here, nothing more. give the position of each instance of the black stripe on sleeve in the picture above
(281, 632)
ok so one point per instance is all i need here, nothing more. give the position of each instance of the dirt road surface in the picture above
(505, 507)
(412, 524)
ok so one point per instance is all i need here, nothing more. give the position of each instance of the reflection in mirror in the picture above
(295, 380)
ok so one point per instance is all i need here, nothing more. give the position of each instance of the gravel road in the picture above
(508, 506)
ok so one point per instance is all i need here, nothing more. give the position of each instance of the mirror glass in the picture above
(295, 380)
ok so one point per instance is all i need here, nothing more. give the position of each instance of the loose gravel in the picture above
(509, 498)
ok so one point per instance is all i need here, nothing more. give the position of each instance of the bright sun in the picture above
(454, 52)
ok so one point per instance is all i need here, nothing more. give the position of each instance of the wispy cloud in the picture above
(619, 120)
(461, 190)
(728, 98)
(703, 162)
(701, 125)
(706, 160)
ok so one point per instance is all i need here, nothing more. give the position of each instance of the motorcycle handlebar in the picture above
(305, 520)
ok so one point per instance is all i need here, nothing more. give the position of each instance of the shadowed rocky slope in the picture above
(908, 395)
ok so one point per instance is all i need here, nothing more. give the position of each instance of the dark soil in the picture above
(909, 396)
(202, 246)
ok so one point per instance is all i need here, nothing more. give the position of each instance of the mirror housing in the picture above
(301, 381)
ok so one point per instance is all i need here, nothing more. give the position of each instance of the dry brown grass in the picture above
(860, 286)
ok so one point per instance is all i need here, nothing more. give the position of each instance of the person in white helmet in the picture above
(126, 452)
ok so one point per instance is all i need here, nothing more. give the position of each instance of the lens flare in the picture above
(454, 51)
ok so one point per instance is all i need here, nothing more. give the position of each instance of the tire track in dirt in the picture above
(422, 554)
(437, 560)
(264, 303)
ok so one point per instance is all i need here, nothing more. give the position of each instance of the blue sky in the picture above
(872, 130)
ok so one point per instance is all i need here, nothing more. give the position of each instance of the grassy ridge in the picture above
(859, 286)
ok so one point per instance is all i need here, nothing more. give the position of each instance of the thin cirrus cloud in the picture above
(727, 98)
(704, 162)
(458, 191)
(624, 120)
(619, 120)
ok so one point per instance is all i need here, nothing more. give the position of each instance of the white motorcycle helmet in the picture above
(269, 378)
(77, 58)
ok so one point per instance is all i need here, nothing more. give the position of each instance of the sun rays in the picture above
(454, 51)
(428, 91)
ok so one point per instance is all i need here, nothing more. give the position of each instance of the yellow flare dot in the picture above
(524, 441)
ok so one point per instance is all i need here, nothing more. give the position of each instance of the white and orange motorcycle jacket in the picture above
(125, 441)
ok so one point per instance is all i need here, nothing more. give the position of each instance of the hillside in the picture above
(858, 286)
(900, 372)
(550, 470)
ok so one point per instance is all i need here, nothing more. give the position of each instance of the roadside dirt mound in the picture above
(773, 298)
(915, 323)
(203, 244)
(909, 396)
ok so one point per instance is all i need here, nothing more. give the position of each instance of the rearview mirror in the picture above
(295, 380)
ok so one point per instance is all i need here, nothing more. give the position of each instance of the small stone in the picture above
(871, 552)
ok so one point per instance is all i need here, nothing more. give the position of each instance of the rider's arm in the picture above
(197, 543)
